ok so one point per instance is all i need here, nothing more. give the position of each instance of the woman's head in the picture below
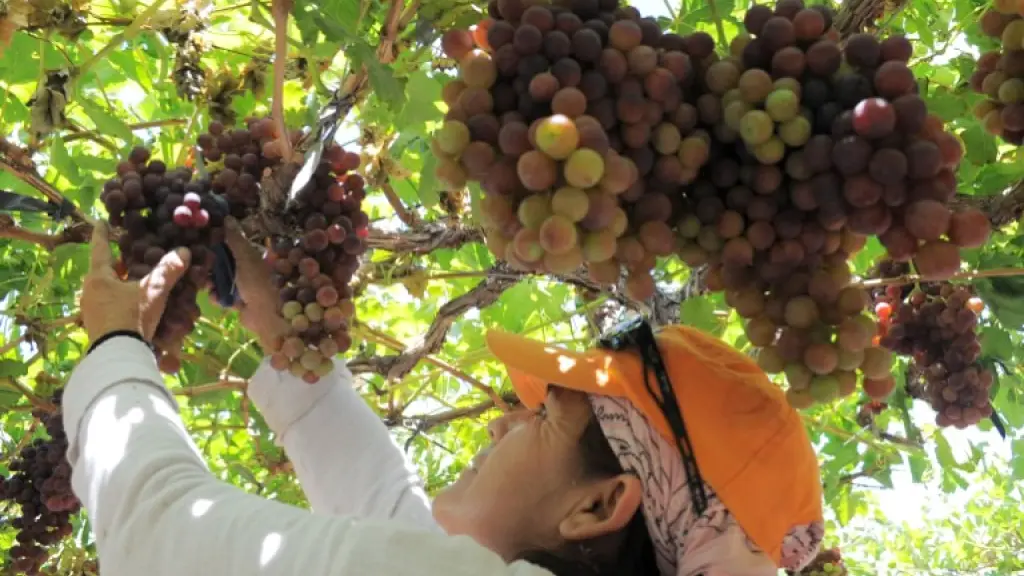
(760, 495)
(548, 489)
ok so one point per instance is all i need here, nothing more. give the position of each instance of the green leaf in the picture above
(106, 123)
(918, 465)
(944, 453)
(422, 107)
(63, 162)
(386, 86)
(12, 368)
(430, 187)
(699, 313)
(1018, 459)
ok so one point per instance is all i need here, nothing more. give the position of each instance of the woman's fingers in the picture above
(157, 286)
(101, 258)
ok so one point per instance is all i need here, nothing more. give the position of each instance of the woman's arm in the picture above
(156, 509)
(343, 455)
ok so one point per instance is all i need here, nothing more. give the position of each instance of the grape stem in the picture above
(280, 10)
(722, 40)
(915, 278)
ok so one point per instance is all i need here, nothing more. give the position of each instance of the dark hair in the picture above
(627, 552)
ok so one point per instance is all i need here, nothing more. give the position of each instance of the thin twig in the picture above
(35, 400)
(7, 347)
(219, 386)
(403, 214)
(133, 127)
(426, 422)
(718, 23)
(70, 235)
(397, 346)
(915, 278)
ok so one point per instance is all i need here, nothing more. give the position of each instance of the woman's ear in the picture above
(604, 507)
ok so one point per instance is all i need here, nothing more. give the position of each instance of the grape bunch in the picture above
(766, 212)
(314, 268)
(578, 120)
(40, 485)
(162, 209)
(314, 264)
(935, 324)
(237, 158)
(815, 147)
(998, 76)
(827, 563)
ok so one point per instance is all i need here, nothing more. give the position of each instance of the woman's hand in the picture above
(259, 306)
(110, 304)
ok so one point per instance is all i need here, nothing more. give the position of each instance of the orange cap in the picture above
(749, 443)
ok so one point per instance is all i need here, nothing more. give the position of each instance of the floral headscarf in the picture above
(712, 544)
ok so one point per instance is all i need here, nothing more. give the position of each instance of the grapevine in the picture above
(40, 485)
(935, 324)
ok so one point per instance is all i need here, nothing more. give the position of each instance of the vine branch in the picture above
(423, 423)
(424, 238)
(76, 233)
(395, 367)
(915, 278)
(16, 162)
(280, 10)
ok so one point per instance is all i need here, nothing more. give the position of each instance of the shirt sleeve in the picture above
(344, 456)
(156, 509)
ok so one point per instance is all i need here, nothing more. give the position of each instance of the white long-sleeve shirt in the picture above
(343, 455)
(157, 510)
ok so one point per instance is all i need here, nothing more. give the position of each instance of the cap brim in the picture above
(533, 366)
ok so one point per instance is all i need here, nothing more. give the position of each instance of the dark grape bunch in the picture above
(314, 269)
(827, 563)
(40, 486)
(578, 121)
(162, 209)
(1000, 73)
(237, 158)
(936, 325)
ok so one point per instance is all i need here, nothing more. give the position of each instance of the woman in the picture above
(600, 477)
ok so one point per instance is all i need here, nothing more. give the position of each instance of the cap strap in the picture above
(669, 406)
